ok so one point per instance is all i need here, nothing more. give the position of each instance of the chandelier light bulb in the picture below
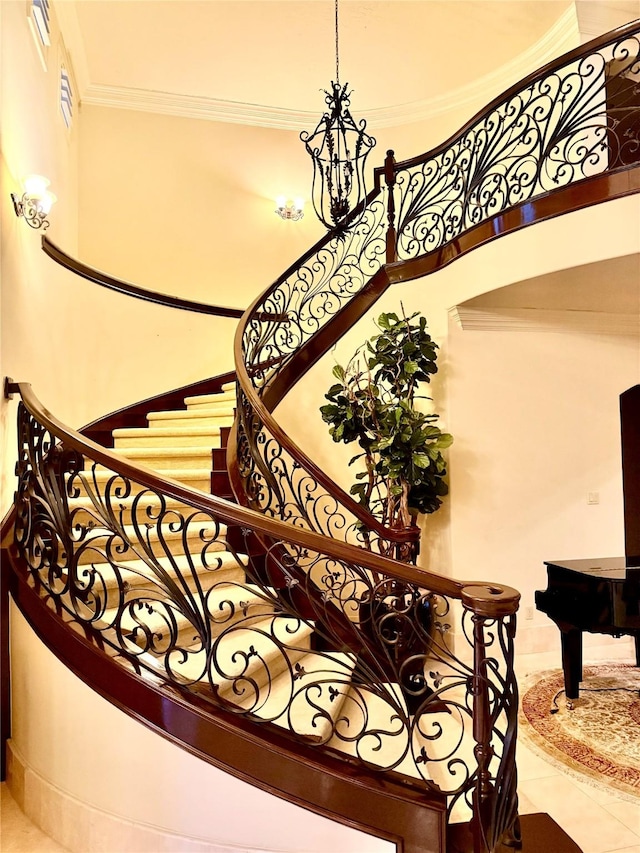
(35, 186)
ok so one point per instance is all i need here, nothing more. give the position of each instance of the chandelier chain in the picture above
(337, 52)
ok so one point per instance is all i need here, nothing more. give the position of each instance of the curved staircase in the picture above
(193, 565)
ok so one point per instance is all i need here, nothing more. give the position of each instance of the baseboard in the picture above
(80, 828)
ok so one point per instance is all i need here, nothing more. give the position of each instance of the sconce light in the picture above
(288, 209)
(36, 202)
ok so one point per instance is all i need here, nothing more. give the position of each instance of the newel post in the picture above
(390, 180)
(495, 716)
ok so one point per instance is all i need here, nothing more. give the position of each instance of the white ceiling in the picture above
(276, 56)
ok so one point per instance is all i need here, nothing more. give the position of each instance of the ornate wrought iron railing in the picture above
(347, 651)
(573, 124)
(574, 120)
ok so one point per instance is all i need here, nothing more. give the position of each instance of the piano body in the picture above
(601, 595)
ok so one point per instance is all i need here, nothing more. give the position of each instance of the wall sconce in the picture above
(288, 209)
(36, 202)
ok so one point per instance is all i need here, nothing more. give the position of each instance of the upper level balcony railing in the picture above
(566, 137)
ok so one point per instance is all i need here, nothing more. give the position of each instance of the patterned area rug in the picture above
(599, 741)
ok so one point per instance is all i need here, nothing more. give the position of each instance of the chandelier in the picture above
(339, 148)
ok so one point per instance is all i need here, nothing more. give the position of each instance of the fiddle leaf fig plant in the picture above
(372, 404)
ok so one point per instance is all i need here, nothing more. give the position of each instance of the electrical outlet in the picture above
(593, 498)
(528, 613)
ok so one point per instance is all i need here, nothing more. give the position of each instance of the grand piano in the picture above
(601, 595)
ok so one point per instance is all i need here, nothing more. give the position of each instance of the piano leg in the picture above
(571, 663)
(637, 639)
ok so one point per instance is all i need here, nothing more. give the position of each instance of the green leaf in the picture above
(339, 372)
(422, 460)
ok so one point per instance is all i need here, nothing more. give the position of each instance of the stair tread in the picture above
(149, 498)
(101, 540)
(137, 572)
(197, 529)
(102, 474)
(364, 711)
(236, 603)
(245, 652)
(164, 451)
(221, 398)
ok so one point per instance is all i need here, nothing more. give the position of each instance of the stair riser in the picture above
(212, 405)
(189, 458)
(187, 634)
(178, 439)
(145, 512)
(264, 674)
(134, 586)
(262, 669)
(202, 482)
(226, 399)
(197, 419)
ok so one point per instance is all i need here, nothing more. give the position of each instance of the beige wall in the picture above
(33, 140)
(187, 206)
(536, 422)
(503, 516)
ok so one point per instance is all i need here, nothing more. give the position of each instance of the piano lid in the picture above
(611, 568)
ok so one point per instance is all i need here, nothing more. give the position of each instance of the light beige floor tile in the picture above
(634, 849)
(18, 834)
(568, 806)
(627, 813)
(531, 765)
(602, 796)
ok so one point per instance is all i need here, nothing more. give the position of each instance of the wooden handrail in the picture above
(230, 513)
(129, 289)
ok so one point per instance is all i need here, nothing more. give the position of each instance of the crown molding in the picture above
(192, 106)
(544, 320)
(563, 36)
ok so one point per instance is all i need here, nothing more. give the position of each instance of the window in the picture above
(38, 13)
(66, 97)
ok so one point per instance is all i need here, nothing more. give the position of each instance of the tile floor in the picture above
(599, 821)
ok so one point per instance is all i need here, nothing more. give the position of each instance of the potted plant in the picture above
(373, 404)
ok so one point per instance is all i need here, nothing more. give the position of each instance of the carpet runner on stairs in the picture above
(178, 600)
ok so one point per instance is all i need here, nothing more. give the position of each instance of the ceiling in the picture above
(267, 62)
(261, 60)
